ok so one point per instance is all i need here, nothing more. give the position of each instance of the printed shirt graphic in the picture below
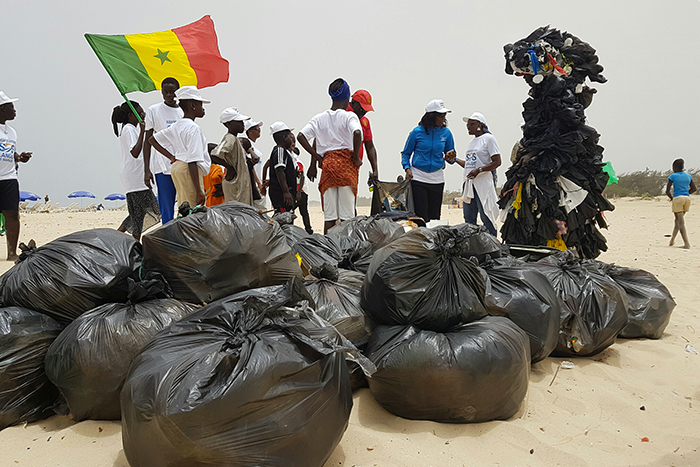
(470, 159)
(8, 144)
(479, 152)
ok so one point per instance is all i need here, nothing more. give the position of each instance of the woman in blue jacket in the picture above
(423, 158)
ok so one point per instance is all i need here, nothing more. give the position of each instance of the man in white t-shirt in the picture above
(337, 138)
(9, 185)
(159, 117)
(188, 148)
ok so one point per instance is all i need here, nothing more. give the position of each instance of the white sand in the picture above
(588, 416)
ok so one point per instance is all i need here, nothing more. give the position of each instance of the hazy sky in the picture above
(283, 55)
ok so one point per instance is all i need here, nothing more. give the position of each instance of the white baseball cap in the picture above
(232, 115)
(279, 126)
(476, 116)
(437, 105)
(251, 124)
(190, 93)
(4, 99)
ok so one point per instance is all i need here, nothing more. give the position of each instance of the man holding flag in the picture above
(184, 56)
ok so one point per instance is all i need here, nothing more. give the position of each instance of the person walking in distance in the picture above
(683, 186)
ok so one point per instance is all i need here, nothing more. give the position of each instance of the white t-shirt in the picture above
(436, 177)
(259, 166)
(479, 152)
(159, 117)
(8, 146)
(185, 140)
(132, 168)
(332, 130)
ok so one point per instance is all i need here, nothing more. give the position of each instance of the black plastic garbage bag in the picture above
(73, 274)
(474, 373)
(392, 196)
(595, 307)
(316, 250)
(353, 251)
(294, 233)
(226, 249)
(518, 291)
(358, 380)
(476, 241)
(338, 302)
(244, 381)
(422, 279)
(650, 302)
(26, 394)
(90, 359)
(378, 232)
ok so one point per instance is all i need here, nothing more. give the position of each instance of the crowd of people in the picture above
(188, 170)
(165, 145)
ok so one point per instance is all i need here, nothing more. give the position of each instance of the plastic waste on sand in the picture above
(650, 302)
(89, 360)
(595, 307)
(245, 380)
(338, 302)
(473, 373)
(378, 232)
(73, 274)
(219, 251)
(518, 291)
(422, 279)
(559, 150)
(317, 252)
(26, 394)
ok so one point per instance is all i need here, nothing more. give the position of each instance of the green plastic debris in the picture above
(612, 177)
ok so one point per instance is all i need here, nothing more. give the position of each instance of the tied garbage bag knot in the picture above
(285, 401)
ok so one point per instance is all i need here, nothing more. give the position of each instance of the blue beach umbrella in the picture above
(81, 195)
(28, 196)
(115, 197)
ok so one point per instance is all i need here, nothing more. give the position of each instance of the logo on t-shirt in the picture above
(170, 122)
(470, 159)
(7, 150)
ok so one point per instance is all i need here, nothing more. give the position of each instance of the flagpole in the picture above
(138, 117)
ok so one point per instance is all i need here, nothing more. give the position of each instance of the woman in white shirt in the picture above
(480, 163)
(140, 200)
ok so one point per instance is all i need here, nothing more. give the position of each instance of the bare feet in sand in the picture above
(12, 258)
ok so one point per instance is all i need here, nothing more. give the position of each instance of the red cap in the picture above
(364, 98)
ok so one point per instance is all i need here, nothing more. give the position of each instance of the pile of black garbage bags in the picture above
(553, 192)
(226, 338)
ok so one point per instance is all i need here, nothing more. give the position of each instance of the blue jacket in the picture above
(428, 149)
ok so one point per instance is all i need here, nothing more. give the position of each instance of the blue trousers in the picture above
(166, 197)
(470, 211)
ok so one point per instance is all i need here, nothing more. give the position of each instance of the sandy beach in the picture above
(635, 404)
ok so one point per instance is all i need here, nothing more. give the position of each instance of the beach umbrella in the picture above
(81, 195)
(115, 197)
(28, 196)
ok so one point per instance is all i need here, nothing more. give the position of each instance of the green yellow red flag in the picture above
(139, 62)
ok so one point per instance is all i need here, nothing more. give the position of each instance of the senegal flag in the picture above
(139, 62)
